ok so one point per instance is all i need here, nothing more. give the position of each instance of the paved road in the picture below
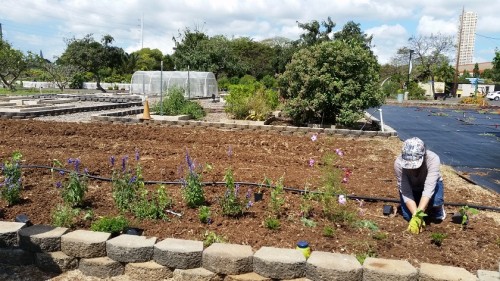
(468, 140)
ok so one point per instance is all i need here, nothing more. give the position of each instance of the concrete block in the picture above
(130, 248)
(195, 274)
(16, 256)
(147, 271)
(252, 276)
(85, 244)
(103, 267)
(486, 275)
(178, 253)
(375, 269)
(324, 266)
(228, 258)
(55, 262)
(41, 238)
(8, 233)
(436, 272)
(279, 263)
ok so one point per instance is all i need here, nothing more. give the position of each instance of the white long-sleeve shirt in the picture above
(423, 180)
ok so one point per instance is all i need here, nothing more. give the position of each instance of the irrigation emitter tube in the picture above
(290, 189)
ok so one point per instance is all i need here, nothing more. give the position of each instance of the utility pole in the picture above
(1, 36)
(142, 31)
(455, 78)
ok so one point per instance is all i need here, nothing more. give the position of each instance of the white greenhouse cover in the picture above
(196, 84)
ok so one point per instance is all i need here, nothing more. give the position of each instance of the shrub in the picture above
(474, 100)
(379, 235)
(110, 224)
(328, 231)
(175, 104)
(331, 82)
(251, 101)
(10, 189)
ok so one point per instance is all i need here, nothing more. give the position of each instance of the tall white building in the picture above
(467, 37)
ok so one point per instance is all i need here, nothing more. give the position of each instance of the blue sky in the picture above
(34, 25)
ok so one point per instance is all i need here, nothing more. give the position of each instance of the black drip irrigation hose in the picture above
(290, 189)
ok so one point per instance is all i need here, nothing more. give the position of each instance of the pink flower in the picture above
(342, 200)
(345, 180)
(339, 152)
(311, 162)
(314, 137)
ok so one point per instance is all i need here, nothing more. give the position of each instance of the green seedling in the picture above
(437, 238)
(466, 212)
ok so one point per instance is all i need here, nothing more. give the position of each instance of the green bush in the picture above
(204, 214)
(192, 190)
(251, 101)
(73, 191)
(110, 224)
(272, 223)
(415, 92)
(175, 104)
(126, 184)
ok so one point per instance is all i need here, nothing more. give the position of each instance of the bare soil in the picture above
(254, 156)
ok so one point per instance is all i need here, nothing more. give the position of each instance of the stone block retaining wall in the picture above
(142, 258)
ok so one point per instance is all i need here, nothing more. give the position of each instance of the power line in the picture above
(487, 37)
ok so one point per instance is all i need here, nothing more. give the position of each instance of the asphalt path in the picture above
(468, 140)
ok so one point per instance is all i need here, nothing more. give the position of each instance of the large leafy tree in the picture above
(332, 82)
(283, 50)
(12, 64)
(148, 59)
(495, 71)
(351, 31)
(95, 57)
(316, 32)
(61, 74)
(256, 58)
(430, 52)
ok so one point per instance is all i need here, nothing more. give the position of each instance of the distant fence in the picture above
(86, 85)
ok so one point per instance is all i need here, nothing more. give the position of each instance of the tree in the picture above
(12, 64)
(256, 57)
(495, 73)
(352, 31)
(332, 82)
(148, 59)
(315, 32)
(94, 57)
(283, 50)
(475, 71)
(429, 51)
(62, 75)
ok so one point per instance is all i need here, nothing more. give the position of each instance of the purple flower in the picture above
(189, 163)
(132, 179)
(249, 204)
(339, 152)
(112, 160)
(236, 189)
(342, 199)
(70, 160)
(249, 193)
(58, 184)
(209, 221)
(230, 151)
(311, 162)
(86, 171)
(124, 163)
(136, 154)
(77, 164)
(314, 137)
(61, 172)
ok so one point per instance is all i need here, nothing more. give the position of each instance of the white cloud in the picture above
(387, 40)
(428, 25)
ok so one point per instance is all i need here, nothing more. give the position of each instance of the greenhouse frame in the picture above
(195, 84)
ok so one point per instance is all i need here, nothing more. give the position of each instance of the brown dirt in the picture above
(255, 155)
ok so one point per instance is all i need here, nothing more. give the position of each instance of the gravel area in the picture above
(85, 117)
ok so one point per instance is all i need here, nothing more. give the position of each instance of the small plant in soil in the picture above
(64, 215)
(110, 224)
(367, 224)
(192, 190)
(379, 235)
(211, 237)
(73, 191)
(277, 198)
(272, 223)
(466, 212)
(368, 252)
(152, 206)
(204, 214)
(328, 231)
(10, 188)
(126, 183)
(230, 203)
(437, 238)
(308, 222)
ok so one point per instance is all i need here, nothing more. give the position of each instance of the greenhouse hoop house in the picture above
(195, 84)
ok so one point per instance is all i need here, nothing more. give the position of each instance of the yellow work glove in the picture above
(417, 223)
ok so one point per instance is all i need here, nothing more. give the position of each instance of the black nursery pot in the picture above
(133, 231)
(457, 218)
(258, 196)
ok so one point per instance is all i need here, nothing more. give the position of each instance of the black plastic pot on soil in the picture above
(133, 231)
(257, 196)
(457, 218)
